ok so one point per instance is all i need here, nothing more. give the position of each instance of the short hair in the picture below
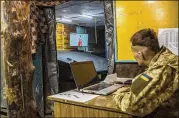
(146, 37)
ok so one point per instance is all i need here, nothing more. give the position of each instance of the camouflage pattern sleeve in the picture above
(149, 90)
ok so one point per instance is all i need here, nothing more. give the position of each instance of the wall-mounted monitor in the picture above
(78, 39)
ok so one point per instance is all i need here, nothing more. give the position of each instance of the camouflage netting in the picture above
(21, 31)
(17, 60)
(109, 32)
(42, 21)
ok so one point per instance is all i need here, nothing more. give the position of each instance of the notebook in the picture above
(84, 74)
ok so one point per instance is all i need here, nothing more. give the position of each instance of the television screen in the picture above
(78, 39)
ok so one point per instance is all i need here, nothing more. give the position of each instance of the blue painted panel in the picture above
(38, 82)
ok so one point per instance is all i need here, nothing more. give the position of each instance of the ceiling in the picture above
(73, 11)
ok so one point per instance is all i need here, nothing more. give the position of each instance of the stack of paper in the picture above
(124, 80)
(75, 96)
(112, 78)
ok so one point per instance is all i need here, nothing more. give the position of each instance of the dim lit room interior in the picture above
(78, 58)
(80, 19)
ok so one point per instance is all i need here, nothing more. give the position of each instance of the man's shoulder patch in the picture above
(145, 77)
(140, 83)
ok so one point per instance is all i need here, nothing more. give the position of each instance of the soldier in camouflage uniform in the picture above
(153, 93)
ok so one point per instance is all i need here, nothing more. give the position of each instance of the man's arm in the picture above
(142, 102)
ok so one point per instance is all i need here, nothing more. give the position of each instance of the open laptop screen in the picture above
(83, 72)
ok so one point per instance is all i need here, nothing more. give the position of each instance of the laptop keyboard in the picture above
(99, 86)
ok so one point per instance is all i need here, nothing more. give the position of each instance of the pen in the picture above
(68, 95)
(76, 96)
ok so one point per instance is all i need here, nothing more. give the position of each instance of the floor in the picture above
(3, 114)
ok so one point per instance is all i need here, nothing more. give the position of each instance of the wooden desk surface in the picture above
(103, 103)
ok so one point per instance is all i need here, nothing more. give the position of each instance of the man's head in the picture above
(145, 45)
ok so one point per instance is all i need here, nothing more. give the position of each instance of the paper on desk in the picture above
(119, 79)
(75, 96)
(111, 78)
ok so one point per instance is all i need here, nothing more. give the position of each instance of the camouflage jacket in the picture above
(153, 88)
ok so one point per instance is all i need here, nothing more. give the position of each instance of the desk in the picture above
(101, 106)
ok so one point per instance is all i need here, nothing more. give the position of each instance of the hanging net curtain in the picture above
(36, 13)
(42, 28)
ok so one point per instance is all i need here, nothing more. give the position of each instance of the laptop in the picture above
(85, 75)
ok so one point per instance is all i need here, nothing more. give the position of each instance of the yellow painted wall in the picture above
(60, 36)
(132, 16)
(63, 36)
